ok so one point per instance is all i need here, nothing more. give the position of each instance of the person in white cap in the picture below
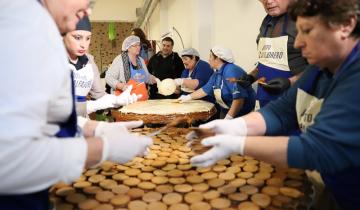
(129, 68)
(196, 73)
(86, 74)
(39, 142)
(232, 99)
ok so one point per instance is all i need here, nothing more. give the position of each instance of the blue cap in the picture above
(84, 24)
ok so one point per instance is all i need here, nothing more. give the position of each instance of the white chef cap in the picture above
(223, 53)
(189, 51)
(130, 41)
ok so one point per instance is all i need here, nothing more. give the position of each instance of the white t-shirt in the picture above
(35, 96)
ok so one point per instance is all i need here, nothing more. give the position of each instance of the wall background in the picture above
(201, 23)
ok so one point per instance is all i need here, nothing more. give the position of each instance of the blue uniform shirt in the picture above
(202, 72)
(231, 91)
(331, 144)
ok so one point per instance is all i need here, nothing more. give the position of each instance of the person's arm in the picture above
(236, 106)
(191, 83)
(198, 94)
(270, 149)
(114, 75)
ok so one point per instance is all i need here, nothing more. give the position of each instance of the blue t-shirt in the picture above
(331, 144)
(202, 72)
(231, 91)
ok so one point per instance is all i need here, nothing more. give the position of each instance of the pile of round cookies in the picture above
(164, 179)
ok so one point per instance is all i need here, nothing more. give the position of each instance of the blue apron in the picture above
(139, 75)
(40, 200)
(273, 61)
(343, 185)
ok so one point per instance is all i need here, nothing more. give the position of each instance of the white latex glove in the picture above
(103, 127)
(106, 101)
(184, 98)
(179, 81)
(236, 127)
(222, 147)
(228, 117)
(121, 146)
(126, 98)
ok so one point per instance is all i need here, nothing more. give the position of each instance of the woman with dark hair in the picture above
(322, 103)
(146, 50)
(233, 100)
(86, 73)
(196, 73)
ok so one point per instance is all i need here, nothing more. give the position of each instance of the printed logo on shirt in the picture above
(307, 108)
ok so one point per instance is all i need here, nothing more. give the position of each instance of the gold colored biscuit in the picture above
(184, 167)
(82, 184)
(92, 190)
(172, 198)
(135, 193)
(227, 176)
(238, 196)
(255, 182)
(159, 172)
(132, 181)
(223, 162)
(120, 200)
(183, 188)
(65, 191)
(248, 206)
(195, 179)
(209, 175)
(104, 196)
(220, 203)
(201, 187)
(120, 189)
(203, 169)
(177, 180)
(179, 206)
(88, 204)
(75, 198)
(291, 192)
(216, 182)
(169, 167)
(152, 197)
(175, 173)
(263, 175)
(261, 200)
(193, 197)
(245, 175)
(120, 177)
(159, 180)
(132, 172)
(158, 163)
(91, 172)
(157, 206)
(249, 189)
(145, 176)
(164, 188)
(219, 168)
(233, 169)
(227, 189)
(96, 178)
(108, 184)
(137, 205)
(250, 168)
(200, 206)
(212, 194)
(146, 185)
(270, 190)
(148, 168)
(238, 182)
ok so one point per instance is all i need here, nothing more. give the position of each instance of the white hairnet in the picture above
(129, 41)
(189, 51)
(223, 53)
